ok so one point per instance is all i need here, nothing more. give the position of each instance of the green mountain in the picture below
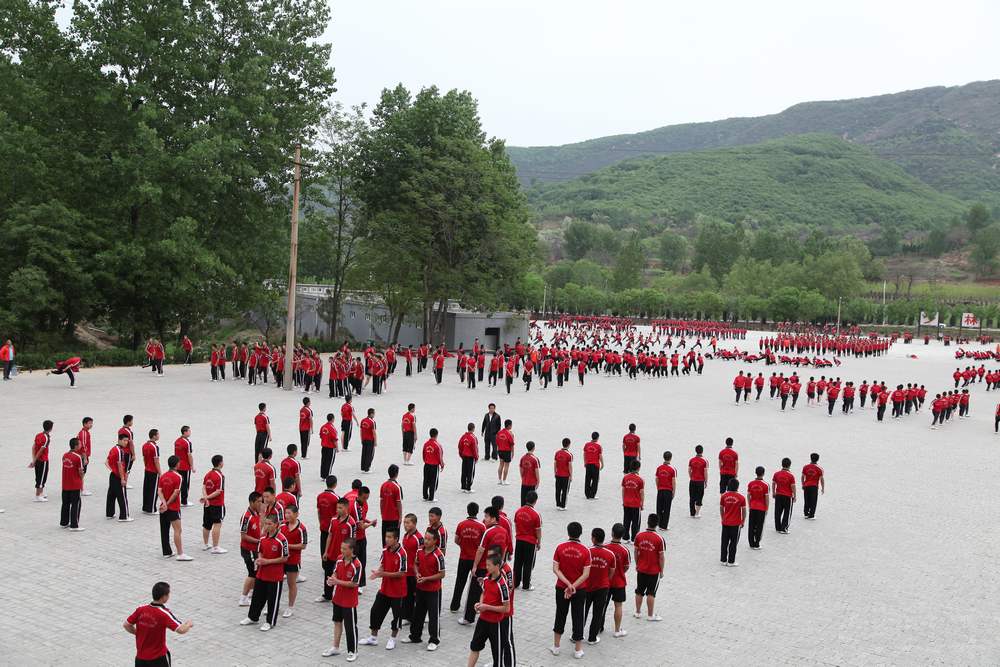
(948, 137)
(808, 180)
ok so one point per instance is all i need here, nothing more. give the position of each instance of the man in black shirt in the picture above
(491, 426)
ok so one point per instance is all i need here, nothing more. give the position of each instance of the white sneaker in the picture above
(76, 530)
(87, 493)
(654, 618)
(126, 520)
(248, 621)
(299, 579)
(321, 599)
(265, 627)
(390, 643)
(244, 601)
(206, 547)
(407, 640)
(38, 499)
(636, 614)
(288, 613)
(361, 589)
(462, 621)
(577, 654)
(620, 633)
(333, 650)
(734, 565)
(432, 647)
(554, 650)
(220, 550)
(351, 657)
(369, 641)
(184, 558)
(596, 641)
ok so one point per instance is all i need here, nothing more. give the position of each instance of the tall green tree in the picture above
(629, 264)
(717, 246)
(672, 250)
(579, 238)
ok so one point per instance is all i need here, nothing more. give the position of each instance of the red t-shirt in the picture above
(697, 464)
(338, 532)
(289, 468)
(367, 428)
(495, 593)
(215, 481)
(116, 460)
(632, 486)
(432, 452)
(170, 482)
(263, 474)
(784, 482)
(812, 474)
(344, 596)
(563, 463)
(272, 547)
(346, 412)
(297, 535)
(505, 441)
(40, 448)
(83, 437)
(468, 446)
(328, 436)
(602, 561)
(260, 422)
(727, 461)
(150, 452)
(181, 448)
(648, 547)
(72, 471)
(495, 535)
(393, 560)
(249, 527)
(592, 453)
(630, 444)
(389, 496)
(526, 524)
(151, 623)
(665, 475)
(623, 559)
(572, 558)
(428, 564)
(408, 420)
(731, 504)
(326, 508)
(529, 469)
(757, 491)
(305, 418)
(469, 534)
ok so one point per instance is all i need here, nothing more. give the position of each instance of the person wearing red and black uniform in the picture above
(633, 500)
(412, 540)
(213, 497)
(291, 472)
(495, 612)
(649, 561)
(529, 466)
(665, 478)
(264, 473)
(262, 428)
(832, 393)
(369, 440)
(391, 503)
(408, 428)
(249, 540)
(433, 457)
(593, 463)
(617, 582)
(598, 586)
(392, 571)
(70, 367)
(126, 430)
(571, 565)
(40, 460)
(468, 535)
(117, 464)
(783, 492)
(528, 541)
(631, 449)
(494, 535)
(298, 539)
(813, 483)
(358, 509)
(185, 466)
(468, 452)
(697, 476)
(169, 490)
(342, 527)
(328, 446)
(305, 426)
(733, 512)
(149, 623)
(150, 471)
(326, 509)
(72, 484)
(563, 469)
(84, 450)
(505, 450)
(729, 465)
(429, 566)
(758, 495)
(272, 554)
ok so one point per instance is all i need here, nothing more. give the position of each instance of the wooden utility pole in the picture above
(293, 259)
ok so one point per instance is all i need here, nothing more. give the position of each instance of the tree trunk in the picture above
(396, 326)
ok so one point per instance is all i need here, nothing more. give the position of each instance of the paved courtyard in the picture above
(898, 568)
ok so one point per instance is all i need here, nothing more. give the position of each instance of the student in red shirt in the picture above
(291, 469)
(249, 539)
(733, 512)
(813, 483)
(697, 474)
(430, 569)
(593, 463)
(729, 465)
(564, 473)
(84, 449)
(294, 532)
(369, 440)
(149, 623)
(391, 503)
(272, 554)
(571, 565)
(117, 464)
(328, 446)
(665, 476)
(505, 450)
(409, 431)
(169, 491)
(494, 535)
(392, 570)
(185, 466)
(468, 452)
(264, 472)
(633, 501)
(262, 428)
(40, 460)
(783, 492)
(649, 561)
(72, 483)
(433, 456)
(602, 569)
(150, 471)
(758, 494)
(529, 466)
(494, 624)
(342, 527)
(528, 541)
(305, 426)
(213, 497)
(468, 535)
(631, 449)
(347, 419)
(618, 582)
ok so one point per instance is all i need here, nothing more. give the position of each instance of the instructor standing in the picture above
(490, 428)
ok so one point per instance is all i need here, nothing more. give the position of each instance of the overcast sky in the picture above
(557, 71)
